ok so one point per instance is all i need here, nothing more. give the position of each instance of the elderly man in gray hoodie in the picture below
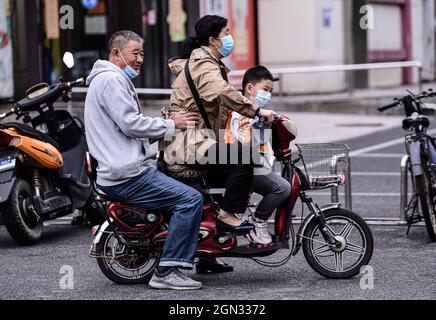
(119, 138)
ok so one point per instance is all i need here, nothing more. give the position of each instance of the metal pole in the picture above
(420, 78)
(333, 170)
(70, 105)
(350, 83)
(403, 191)
(348, 199)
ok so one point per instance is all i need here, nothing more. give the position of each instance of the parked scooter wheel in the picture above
(21, 223)
(122, 267)
(353, 249)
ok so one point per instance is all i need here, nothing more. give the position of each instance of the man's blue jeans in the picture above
(155, 191)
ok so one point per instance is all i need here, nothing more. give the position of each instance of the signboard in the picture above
(51, 15)
(213, 7)
(176, 20)
(95, 25)
(6, 63)
(241, 16)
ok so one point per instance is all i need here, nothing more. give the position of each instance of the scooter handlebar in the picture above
(75, 83)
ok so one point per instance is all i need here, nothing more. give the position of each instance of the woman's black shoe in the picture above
(207, 266)
(243, 228)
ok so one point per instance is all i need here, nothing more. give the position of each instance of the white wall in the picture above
(386, 35)
(423, 35)
(292, 33)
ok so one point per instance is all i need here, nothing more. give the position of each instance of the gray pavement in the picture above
(403, 269)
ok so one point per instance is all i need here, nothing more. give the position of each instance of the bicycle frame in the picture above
(299, 183)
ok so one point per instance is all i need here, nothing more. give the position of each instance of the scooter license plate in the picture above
(7, 164)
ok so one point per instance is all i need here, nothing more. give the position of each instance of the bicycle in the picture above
(421, 149)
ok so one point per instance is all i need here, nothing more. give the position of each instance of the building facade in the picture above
(333, 32)
(275, 33)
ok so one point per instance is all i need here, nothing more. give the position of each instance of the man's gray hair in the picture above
(120, 39)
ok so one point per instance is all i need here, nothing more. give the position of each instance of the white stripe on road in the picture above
(383, 145)
(380, 155)
(376, 174)
(360, 194)
(59, 223)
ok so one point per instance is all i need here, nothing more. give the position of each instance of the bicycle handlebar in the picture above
(389, 106)
(407, 100)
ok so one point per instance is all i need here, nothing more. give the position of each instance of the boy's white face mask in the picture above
(263, 98)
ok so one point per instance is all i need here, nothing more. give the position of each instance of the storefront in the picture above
(6, 62)
(44, 29)
(242, 15)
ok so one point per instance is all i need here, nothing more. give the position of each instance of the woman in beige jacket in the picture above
(204, 52)
(212, 43)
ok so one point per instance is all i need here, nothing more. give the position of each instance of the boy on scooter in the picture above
(257, 85)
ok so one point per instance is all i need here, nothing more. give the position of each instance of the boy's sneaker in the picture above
(260, 234)
(173, 279)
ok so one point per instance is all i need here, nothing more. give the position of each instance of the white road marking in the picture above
(380, 155)
(360, 194)
(376, 174)
(383, 145)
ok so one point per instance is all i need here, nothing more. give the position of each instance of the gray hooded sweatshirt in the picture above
(118, 134)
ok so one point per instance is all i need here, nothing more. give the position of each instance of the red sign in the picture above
(242, 20)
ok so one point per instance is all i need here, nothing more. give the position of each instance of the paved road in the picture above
(403, 267)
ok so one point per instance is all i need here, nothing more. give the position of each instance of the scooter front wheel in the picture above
(21, 221)
(352, 250)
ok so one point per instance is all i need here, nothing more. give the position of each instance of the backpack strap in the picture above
(196, 96)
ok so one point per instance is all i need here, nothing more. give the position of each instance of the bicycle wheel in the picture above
(426, 194)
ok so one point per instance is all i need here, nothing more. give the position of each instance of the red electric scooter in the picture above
(336, 242)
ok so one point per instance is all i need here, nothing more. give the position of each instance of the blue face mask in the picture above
(263, 98)
(128, 70)
(228, 46)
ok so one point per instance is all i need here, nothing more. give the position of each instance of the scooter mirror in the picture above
(68, 60)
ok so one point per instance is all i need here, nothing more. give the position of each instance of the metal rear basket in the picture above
(326, 164)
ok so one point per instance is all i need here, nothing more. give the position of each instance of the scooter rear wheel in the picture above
(122, 267)
(353, 249)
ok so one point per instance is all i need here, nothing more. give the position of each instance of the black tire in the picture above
(427, 206)
(22, 224)
(364, 250)
(111, 274)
